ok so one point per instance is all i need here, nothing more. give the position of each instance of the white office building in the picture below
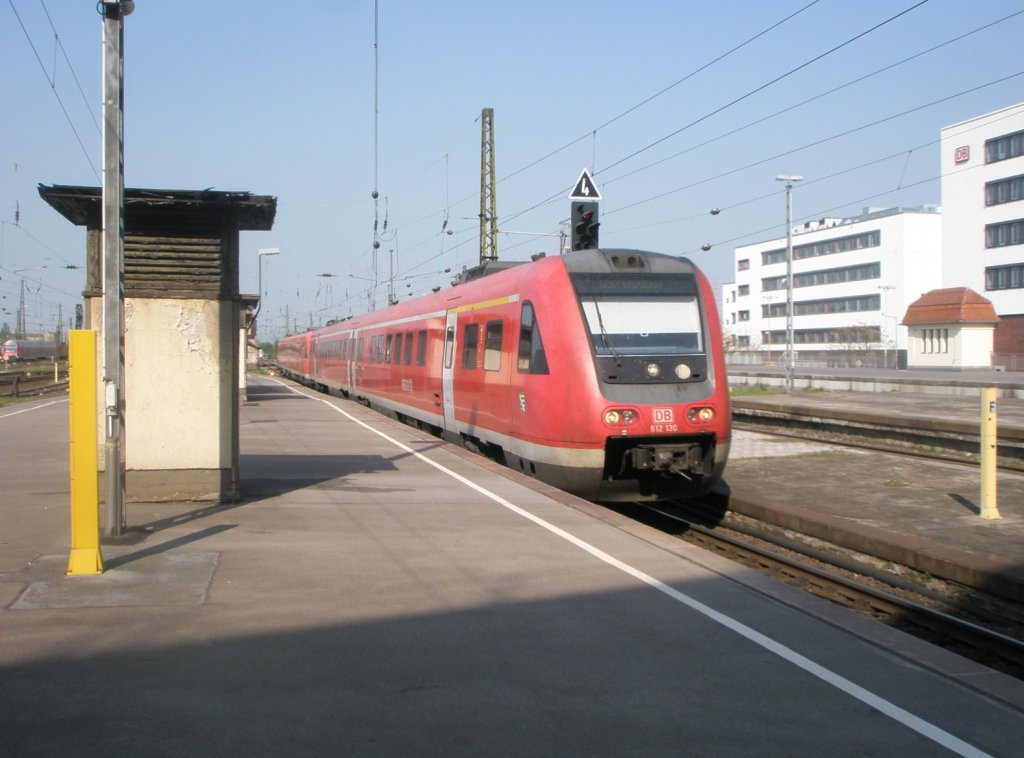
(853, 279)
(983, 208)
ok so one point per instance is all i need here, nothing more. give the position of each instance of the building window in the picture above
(1005, 147)
(934, 341)
(838, 305)
(744, 315)
(860, 335)
(825, 276)
(1005, 234)
(743, 265)
(1005, 277)
(1004, 191)
(744, 289)
(825, 247)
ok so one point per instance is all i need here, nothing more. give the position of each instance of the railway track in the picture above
(992, 633)
(962, 447)
(31, 387)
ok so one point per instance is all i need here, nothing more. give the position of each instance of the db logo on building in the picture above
(962, 154)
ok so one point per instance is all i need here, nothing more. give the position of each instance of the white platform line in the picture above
(33, 408)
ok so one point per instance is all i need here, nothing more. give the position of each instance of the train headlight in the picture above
(653, 370)
(683, 371)
(620, 417)
(701, 415)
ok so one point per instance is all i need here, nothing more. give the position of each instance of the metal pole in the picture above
(259, 292)
(790, 356)
(989, 440)
(113, 262)
(789, 288)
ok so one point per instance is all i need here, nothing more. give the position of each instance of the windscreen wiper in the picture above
(604, 334)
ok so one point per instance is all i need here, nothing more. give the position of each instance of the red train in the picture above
(28, 350)
(600, 372)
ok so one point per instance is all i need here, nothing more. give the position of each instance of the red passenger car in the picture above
(600, 372)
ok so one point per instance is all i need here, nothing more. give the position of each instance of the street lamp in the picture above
(885, 289)
(260, 254)
(790, 358)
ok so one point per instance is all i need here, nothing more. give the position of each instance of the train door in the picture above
(350, 363)
(448, 371)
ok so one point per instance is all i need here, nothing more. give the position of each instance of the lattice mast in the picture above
(488, 203)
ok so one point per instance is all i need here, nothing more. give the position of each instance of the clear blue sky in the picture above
(278, 99)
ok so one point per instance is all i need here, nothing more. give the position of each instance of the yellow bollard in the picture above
(989, 440)
(85, 502)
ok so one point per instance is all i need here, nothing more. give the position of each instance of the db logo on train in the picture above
(663, 420)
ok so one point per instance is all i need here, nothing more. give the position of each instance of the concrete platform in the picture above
(918, 513)
(377, 592)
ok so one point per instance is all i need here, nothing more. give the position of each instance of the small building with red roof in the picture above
(950, 329)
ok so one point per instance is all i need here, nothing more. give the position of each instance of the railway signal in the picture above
(583, 218)
(584, 225)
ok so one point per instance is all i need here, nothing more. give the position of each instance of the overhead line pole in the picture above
(488, 202)
(113, 259)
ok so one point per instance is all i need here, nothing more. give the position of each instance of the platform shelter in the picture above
(184, 318)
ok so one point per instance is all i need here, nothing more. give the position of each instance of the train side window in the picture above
(407, 358)
(387, 349)
(421, 348)
(532, 358)
(492, 345)
(398, 348)
(449, 346)
(470, 336)
(359, 355)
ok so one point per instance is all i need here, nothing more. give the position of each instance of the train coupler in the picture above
(670, 459)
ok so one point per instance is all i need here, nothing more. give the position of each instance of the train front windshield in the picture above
(641, 314)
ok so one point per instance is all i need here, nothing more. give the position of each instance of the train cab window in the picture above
(407, 358)
(641, 314)
(398, 348)
(470, 337)
(449, 346)
(532, 359)
(421, 348)
(492, 345)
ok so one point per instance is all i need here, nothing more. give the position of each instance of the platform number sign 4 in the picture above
(585, 189)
